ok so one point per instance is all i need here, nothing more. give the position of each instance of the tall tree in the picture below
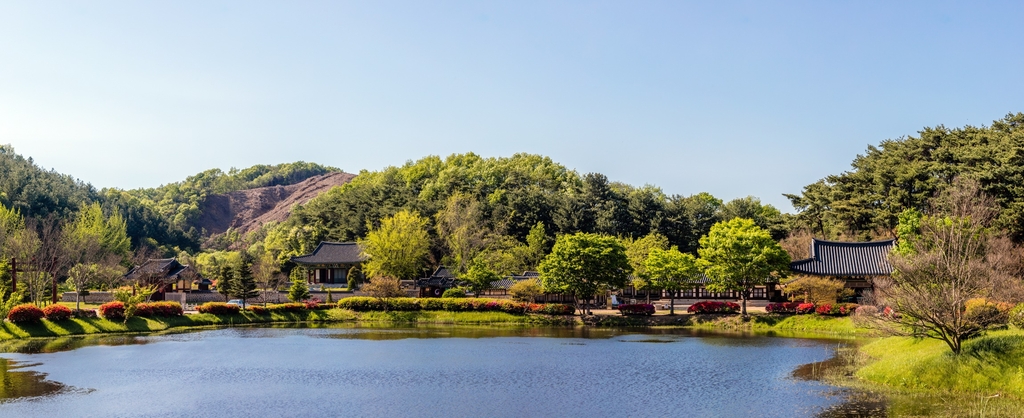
(583, 264)
(244, 285)
(738, 255)
(671, 270)
(398, 248)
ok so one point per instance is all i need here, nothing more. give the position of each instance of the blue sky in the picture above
(734, 98)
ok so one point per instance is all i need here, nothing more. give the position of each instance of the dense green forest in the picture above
(905, 173)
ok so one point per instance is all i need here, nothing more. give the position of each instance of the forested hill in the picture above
(163, 217)
(905, 173)
(492, 205)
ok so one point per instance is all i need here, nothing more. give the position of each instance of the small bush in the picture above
(837, 309)
(1016, 316)
(805, 308)
(457, 304)
(784, 308)
(258, 310)
(552, 308)
(218, 308)
(57, 312)
(432, 304)
(637, 309)
(112, 310)
(453, 293)
(25, 313)
(361, 304)
(709, 306)
(84, 313)
(287, 307)
(165, 309)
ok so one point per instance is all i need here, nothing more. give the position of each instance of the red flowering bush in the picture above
(218, 308)
(112, 310)
(839, 309)
(637, 309)
(258, 310)
(57, 312)
(311, 303)
(159, 309)
(709, 306)
(805, 308)
(25, 313)
(785, 307)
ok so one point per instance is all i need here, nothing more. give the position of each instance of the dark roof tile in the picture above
(328, 253)
(846, 259)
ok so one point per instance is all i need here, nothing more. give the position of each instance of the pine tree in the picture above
(299, 291)
(244, 285)
(226, 281)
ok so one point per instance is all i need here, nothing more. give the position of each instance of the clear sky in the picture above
(734, 98)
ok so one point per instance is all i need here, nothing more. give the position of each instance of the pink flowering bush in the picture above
(785, 307)
(709, 306)
(637, 309)
(805, 308)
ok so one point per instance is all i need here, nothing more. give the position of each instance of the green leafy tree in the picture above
(398, 248)
(299, 290)
(132, 298)
(81, 277)
(479, 277)
(738, 255)
(671, 270)
(526, 290)
(583, 264)
(637, 251)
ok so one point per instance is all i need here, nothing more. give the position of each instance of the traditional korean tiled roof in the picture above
(332, 253)
(442, 277)
(163, 268)
(846, 259)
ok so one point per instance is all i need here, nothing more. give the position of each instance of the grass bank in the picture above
(88, 326)
(992, 364)
(784, 324)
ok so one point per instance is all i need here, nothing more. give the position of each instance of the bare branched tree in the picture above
(954, 258)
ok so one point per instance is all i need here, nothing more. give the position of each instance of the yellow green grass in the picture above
(992, 364)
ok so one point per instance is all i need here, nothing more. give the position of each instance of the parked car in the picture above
(236, 302)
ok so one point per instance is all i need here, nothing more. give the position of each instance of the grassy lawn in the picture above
(990, 364)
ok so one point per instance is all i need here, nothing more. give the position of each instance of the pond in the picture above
(421, 371)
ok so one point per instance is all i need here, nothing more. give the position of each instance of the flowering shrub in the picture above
(709, 306)
(83, 313)
(57, 312)
(287, 307)
(552, 308)
(805, 308)
(839, 309)
(218, 308)
(637, 309)
(785, 307)
(159, 309)
(311, 303)
(25, 313)
(258, 310)
(112, 310)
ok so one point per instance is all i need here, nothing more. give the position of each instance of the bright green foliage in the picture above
(299, 290)
(35, 192)
(908, 231)
(737, 255)
(479, 277)
(671, 270)
(453, 293)
(765, 216)
(583, 264)
(526, 290)
(398, 248)
(92, 232)
(81, 276)
(132, 298)
(538, 243)
(637, 250)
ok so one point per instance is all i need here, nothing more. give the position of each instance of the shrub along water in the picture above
(366, 304)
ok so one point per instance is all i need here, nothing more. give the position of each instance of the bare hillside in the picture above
(246, 210)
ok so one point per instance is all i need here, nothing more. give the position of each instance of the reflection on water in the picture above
(24, 384)
(360, 370)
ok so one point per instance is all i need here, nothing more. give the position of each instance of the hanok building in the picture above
(169, 274)
(331, 262)
(856, 263)
(434, 286)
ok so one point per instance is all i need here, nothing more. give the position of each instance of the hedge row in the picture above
(830, 309)
(637, 309)
(710, 306)
(364, 304)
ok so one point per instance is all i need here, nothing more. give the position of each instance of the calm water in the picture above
(423, 371)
